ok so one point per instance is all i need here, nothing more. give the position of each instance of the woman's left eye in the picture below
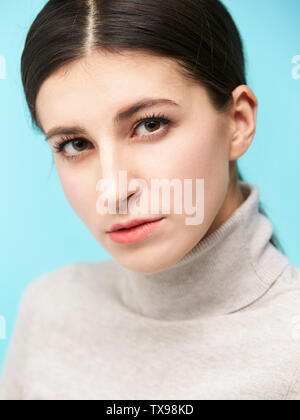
(152, 125)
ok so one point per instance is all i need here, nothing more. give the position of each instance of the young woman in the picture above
(182, 311)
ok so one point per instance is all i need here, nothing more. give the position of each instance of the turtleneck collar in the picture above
(226, 271)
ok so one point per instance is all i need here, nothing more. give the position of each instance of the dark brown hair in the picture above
(200, 35)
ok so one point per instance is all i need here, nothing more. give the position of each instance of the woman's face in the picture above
(88, 94)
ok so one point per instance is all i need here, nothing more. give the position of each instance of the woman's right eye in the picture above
(71, 148)
(76, 144)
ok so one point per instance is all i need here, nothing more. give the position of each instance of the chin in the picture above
(142, 267)
(147, 265)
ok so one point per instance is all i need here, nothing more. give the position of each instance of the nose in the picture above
(113, 183)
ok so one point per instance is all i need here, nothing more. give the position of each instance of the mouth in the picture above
(132, 224)
(136, 232)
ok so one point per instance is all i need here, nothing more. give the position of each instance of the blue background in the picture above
(39, 230)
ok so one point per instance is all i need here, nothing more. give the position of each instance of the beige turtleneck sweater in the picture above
(221, 324)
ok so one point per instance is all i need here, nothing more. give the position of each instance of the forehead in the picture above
(105, 82)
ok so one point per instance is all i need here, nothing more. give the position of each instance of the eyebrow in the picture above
(121, 116)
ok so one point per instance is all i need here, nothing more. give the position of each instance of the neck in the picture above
(234, 199)
(227, 270)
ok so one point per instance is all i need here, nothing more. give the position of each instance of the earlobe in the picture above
(244, 116)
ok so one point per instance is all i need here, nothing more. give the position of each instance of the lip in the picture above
(136, 232)
(132, 223)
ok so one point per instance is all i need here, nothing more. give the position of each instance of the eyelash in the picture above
(59, 146)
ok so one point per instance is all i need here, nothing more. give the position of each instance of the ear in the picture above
(243, 116)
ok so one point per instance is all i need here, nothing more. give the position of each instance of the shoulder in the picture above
(51, 306)
(58, 302)
(285, 290)
(71, 275)
(296, 273)
(290, 278)
(70, 285)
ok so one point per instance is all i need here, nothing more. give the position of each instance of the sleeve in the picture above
(12, 384)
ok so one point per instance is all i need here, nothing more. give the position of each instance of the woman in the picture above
(183, 311)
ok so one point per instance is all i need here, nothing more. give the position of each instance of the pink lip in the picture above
(136, 233)
(133, 223)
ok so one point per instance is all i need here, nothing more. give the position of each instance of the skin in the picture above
(200, 143)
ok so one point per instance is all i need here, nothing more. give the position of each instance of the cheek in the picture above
(200, 154)
(209, 160)
(79, 192)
